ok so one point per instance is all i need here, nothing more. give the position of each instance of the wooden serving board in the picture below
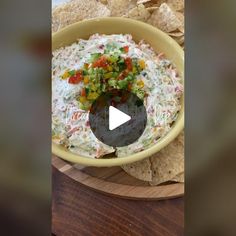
(114, 181)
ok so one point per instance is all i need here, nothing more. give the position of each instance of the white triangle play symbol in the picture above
(117, 118)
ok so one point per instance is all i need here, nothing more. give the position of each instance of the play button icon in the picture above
(118, 118)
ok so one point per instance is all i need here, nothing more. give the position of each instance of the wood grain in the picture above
(116, 182)
(80, 211)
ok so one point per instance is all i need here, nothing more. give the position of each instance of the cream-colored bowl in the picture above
(160, 41)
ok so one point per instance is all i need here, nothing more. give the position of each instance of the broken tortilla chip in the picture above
(165, 18)
(176, 33)
(139, 13)
(179, 178)
(151, 3)
(166, 165)
(151, 9)
(120, 7)
(140, 170)
(179, 40)
(181, 18)
(181, 29)
(177, 5)
(143, 1)
(169, 162)
(103, 1)
(76, 10)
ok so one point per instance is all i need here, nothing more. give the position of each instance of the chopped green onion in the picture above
(94, 57)
(72, 72)
(140, 94)
(112, 82)
(130, 78)
(123, 84)
(87, 91)
(113, 58)
(108, 75)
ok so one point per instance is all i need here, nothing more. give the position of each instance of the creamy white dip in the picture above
(162, 84)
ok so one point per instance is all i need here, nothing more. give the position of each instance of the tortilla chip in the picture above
(152, 3)
(165, 18)
(181, 29)
(179, 178)
(149, 4)
(176, 33)
(143, 1)
(166, 165)
(140, 170)
(139, 13)
(159, 2)
(177, 5)
(76, 10)
(120, 7)
(103, 1)
(179, 40)
(169, 162)
(151, 9)
(181, 18)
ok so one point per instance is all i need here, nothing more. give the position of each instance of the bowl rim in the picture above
(164, 141)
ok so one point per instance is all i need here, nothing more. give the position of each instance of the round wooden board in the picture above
(114, 181)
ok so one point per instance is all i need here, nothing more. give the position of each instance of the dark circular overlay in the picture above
(126, 133)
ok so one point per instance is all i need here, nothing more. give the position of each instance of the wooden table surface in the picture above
(78, 210)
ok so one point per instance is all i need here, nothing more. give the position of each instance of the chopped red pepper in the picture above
(83, 92)
(101, 62)
(128, 63)
(126, 49)
(75, 79)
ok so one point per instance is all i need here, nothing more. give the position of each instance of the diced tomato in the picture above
(70, 132)
(126, 49)
(122, 75)
(72, 80)
(83, 92)
(76, 115)
(128, 63)
(75, 79)
(101, 62)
